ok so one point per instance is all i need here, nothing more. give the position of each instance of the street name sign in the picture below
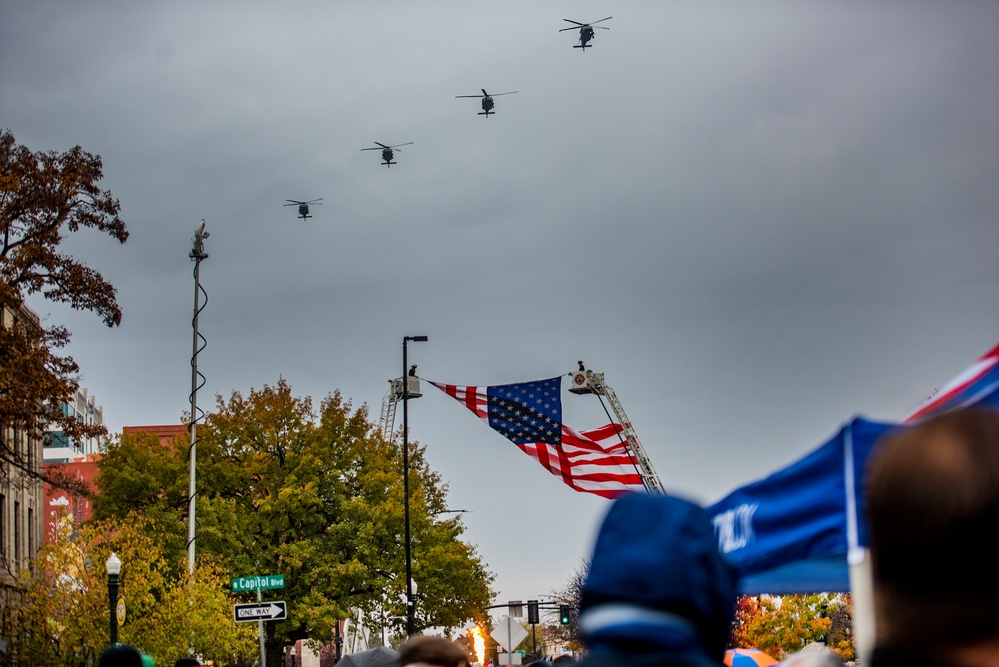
(260, 582)
(260, 611)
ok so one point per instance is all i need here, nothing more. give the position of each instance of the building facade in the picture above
(59, 447)
(21, 492)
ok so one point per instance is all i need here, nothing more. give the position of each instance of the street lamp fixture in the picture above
(410, 600)
(113, 566)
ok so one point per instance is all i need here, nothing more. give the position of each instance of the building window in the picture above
(17, 534)
(31, 532)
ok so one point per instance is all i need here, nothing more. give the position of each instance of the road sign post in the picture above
(260, 611)
(508, 634)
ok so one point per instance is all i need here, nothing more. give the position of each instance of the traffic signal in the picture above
(532, 612)
(565, 614)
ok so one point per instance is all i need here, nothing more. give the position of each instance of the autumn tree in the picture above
(570, 593)
(63, 617)
(43, 197)
(784, 624)
(314, 495)
(747, 608)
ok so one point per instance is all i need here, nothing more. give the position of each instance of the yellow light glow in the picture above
(480, 645)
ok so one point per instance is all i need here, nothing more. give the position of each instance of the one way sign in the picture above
(260, 611)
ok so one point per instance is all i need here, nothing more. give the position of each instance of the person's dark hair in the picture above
(932, 504)
(122, 655)
(187, 662)
(431, 651)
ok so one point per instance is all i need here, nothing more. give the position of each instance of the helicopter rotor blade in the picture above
(484, 93)
(601, 27)
(382, 145)
(293, 202)
(314, 201)
(458, 96)
(576, 22)
(408, 143)
(569, 28)
(601, 21)
(510, 93)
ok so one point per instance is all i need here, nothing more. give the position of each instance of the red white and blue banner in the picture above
(529, 414)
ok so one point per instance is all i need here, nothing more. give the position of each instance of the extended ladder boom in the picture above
(392, 399)
(387, 423)
(588, 382)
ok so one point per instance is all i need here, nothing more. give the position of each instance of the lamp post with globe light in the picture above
(113, 566)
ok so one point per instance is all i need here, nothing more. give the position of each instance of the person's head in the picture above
(187, 662)
(656, 568)
(121, 655)
(813, 657)
(933, 504)
(427, 650)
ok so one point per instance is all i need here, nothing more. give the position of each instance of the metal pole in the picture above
(410, 603)
(113, 582)
(260, 633)
(197, 254)
(410, 611)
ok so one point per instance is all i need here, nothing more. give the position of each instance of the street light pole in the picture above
(410, 603)
(113, 565)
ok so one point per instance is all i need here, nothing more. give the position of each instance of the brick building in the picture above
(85, 469)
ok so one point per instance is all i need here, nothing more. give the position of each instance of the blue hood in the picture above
(660, 553)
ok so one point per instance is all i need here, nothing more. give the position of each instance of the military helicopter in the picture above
(585, 31)
(387, 152)
(303, 206)
(487, 101)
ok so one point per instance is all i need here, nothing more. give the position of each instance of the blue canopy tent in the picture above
(792, 532)
(803, 528)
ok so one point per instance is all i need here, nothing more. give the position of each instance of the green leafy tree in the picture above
(44, 196)
(138, 476)
(316, 496)
(64, 615)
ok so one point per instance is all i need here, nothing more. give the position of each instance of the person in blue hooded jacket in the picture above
(658, 592)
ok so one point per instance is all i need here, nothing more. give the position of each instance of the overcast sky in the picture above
(757, 218)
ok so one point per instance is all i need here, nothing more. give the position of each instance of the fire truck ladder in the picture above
(389, 403)
(588, 382)
(392, 399)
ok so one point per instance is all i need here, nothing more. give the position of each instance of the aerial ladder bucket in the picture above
(392, 399)
(588, 382)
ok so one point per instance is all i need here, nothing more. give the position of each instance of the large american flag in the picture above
(529, 414)
(978, 384)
